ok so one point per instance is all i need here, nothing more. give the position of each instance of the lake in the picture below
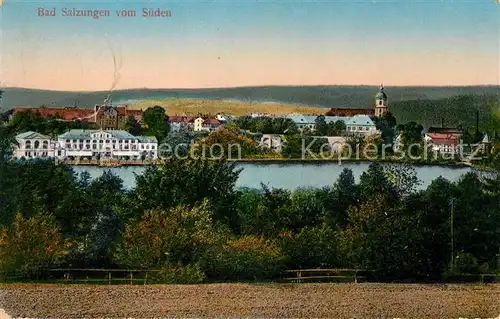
(289, 176)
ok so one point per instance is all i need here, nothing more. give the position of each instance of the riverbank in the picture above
(252, 300)
(270, 160)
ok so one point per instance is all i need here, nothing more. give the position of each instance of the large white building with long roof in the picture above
(107, 144)
(86, 144)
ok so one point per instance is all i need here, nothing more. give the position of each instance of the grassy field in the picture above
(252, 301)
(238, 108)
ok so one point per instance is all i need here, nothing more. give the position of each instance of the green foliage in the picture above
(266, 125)
(51, 126)
(457, 109)
(30, 244)
(133, 126)
(311, 247)
(156, 123)
(248, 257)
(164, 238)
(186, 182)
(178, 274)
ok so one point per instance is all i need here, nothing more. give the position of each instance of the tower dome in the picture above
(381, 94)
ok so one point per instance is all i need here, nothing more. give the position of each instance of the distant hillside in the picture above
(321, 96)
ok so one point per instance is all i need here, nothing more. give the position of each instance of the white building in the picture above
(34, 145)
(360, 125)
(107, 144)
(272, 142)
(208, 125)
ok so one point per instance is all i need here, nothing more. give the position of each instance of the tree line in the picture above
(188, 219)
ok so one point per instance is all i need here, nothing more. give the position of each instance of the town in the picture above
(121, 135)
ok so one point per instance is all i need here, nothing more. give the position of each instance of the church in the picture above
(378, 110)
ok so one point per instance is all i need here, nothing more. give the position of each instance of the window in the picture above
(360, 128)
(28, 144)
(67, 141)
(152, 147)
(367, 128)
(37, 144)
(58, 153)
(380, 102)
(107, 141)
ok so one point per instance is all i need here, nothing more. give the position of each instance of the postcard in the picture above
(249, 159)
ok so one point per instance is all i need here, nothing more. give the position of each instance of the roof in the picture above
(65, 113)
(440, 138)
(360, 119)
(181, 119)
(79, 134)
(449, 130)
(350, 112)
(381, 94)
(485, 139)
(30, 135)
(211, 121)
(147, 139)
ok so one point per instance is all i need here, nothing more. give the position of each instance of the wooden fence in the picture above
(318, 275)
(104, 276)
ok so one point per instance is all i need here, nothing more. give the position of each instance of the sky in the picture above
(250, 43)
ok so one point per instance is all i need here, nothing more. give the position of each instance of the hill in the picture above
(319, 96)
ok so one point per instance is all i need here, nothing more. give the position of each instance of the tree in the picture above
(248, 257)
(411, 134)
(156, 123)
(133, 127)
(165, 238)
(320, 126)
(186, 182)
(374, 182)
(336, 128)
(29, 244)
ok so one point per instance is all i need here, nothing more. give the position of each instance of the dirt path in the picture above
(252, 301)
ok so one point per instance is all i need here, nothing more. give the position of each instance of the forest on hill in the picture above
(321, 96)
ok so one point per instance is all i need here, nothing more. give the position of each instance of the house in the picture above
(110, 117)
(34, 145)
(360, 125)
(107, 144)
(208, 124)
(309, 121)
(444, 142)
(273, 142)
(105, 116)
(177, 122)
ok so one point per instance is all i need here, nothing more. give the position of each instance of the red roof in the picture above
(441, 138)
(65, 113)
(211, 121)
(180, 119)
(349, 112)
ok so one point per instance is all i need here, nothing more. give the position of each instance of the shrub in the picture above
(249, 257)
(179, 274)
(28, 245)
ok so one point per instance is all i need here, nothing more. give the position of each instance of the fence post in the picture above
(109, 277)
(356, 277)
(146, 278)
(131, 276)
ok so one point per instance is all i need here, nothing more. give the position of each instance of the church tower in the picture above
(381, 102)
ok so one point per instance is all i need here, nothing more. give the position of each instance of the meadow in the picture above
(183, 106)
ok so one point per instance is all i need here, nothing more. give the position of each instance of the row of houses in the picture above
(86, 144)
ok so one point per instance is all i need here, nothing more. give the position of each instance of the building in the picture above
(206, 124)
(360, 125)
(34, 145)
(63, 113)
(105, 116)
(87, 144)
(381, 103)
(177, 122)
(110, 117)
(273, 142)
(350, 112)
(309, 121)
(444, 142)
